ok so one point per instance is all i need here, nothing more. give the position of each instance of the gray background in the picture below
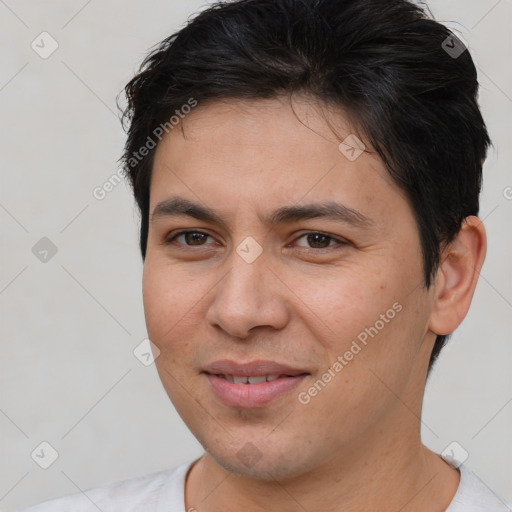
(68, 375)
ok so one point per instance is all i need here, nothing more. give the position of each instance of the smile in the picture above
(242, 379)
(249, 392)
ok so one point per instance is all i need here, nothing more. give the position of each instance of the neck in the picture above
(401, 476)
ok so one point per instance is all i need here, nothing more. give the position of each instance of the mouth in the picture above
(254, 384)
(254, 379)
(258, 369)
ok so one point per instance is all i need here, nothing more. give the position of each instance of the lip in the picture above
(260, 367)
(247, 396)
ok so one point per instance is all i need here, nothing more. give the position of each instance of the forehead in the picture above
(265, 125)
(259, 152)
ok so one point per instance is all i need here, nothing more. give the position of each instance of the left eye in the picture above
(319, 240)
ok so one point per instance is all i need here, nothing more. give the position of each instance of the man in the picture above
(308, 174)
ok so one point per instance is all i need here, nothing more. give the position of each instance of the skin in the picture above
(301, 302)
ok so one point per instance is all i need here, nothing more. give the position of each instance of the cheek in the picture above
(368, 316)
(168, 299)
(339, 305)
(169, 310)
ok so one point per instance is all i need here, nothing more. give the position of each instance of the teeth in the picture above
(258, 379)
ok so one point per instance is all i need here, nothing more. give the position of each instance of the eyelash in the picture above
(341, 242)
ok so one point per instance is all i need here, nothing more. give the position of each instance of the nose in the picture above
(250, 295)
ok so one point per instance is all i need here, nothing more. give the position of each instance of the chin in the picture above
(267, 465)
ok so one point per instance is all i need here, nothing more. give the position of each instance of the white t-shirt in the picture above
(165, 492)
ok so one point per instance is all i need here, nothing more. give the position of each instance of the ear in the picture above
(455, 282)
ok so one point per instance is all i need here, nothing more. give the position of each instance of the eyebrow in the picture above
(178, 206)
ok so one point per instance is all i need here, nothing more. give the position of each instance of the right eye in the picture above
(190, 238)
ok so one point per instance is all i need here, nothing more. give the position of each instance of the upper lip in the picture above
(250, 369)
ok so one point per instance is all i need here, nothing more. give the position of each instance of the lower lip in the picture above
(252, 395)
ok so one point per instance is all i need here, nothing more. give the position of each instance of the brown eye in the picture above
(316, 240)
(189, 238)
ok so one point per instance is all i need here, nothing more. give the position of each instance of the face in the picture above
(274, 254)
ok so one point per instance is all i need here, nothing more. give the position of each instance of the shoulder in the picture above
(474, 496)
(143, 494)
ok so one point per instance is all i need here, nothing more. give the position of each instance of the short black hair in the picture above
(387, 63)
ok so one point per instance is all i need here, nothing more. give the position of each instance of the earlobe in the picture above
(456, 279)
